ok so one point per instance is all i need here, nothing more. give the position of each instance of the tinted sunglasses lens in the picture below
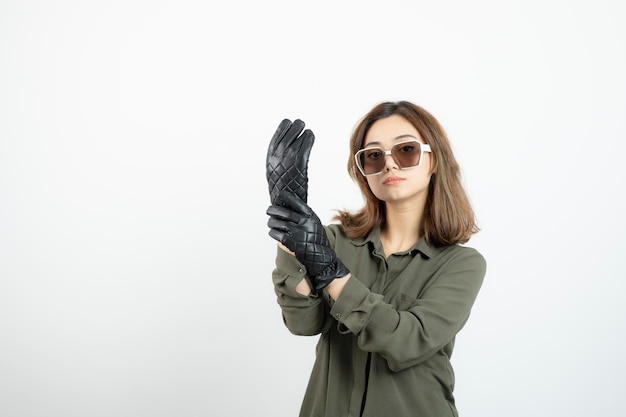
(372, 160)
(406, 154)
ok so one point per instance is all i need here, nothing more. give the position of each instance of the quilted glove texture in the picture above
(287, 159)
(295, 225)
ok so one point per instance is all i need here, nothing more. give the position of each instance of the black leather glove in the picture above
(295, 225)
(287, 159)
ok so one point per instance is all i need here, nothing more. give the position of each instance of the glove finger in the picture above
(278, 137)
(277, 235)
(283, 213)
(283, 238)
(292, 133)
(287, 198)
(278, 224)
(306, 144)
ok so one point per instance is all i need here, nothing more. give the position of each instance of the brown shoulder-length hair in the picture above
(448, 216)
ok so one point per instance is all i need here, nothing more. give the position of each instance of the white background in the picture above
(134, 257)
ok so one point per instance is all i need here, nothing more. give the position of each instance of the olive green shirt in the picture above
(386, 342)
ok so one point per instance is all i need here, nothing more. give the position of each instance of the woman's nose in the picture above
(390, 162)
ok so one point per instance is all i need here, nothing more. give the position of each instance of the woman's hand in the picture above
(288, 158)
(297, 227)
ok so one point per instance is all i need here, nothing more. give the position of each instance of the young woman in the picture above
(389, 286)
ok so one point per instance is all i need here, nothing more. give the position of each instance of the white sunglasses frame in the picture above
(424, 147)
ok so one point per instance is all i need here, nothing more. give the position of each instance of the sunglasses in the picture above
(407, 154)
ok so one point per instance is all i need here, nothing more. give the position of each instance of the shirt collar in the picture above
(374, 238)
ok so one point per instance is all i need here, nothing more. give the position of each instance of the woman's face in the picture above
(395, 185)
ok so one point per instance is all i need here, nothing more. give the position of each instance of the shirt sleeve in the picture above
(303, 315)
(407, 338)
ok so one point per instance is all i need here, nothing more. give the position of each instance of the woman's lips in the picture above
(393, 180)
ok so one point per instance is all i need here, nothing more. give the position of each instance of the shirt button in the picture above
(301, 270)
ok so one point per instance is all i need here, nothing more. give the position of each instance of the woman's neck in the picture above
(402, 227)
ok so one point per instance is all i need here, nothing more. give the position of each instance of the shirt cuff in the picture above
(354, 306)
(293, 272)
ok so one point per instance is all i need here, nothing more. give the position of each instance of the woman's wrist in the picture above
(303, 287)
(336, 286)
